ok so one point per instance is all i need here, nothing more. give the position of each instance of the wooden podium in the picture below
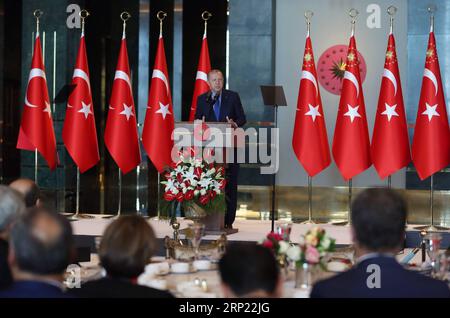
(208, 135)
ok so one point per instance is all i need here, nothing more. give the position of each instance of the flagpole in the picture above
(37, 14)
(389, 182)
(206, 16)
(119, 209)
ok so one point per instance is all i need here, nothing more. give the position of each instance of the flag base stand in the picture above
(119, 208)
(78, 216)
(339, 223)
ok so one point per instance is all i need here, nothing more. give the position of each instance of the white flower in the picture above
(202, 192)
(326, 242)
(196, 192)
(293, 252)
(283, 247)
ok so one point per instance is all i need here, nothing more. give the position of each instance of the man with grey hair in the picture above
(11, 207)
(29, 189)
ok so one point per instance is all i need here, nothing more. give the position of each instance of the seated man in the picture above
(29, 189)
(378, 228)
(11, 208)
(126, 247)
(251, 271)
(41, 248)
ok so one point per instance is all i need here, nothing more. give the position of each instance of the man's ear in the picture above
(38, 203)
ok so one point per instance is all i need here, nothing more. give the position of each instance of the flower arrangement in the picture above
(275, 242)
(312, 248)
(195, 181)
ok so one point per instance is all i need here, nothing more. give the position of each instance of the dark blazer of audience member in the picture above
(126, 247)
(40, 251)
(29, 189)
(378, 228)
(248, 270)
(11, 208)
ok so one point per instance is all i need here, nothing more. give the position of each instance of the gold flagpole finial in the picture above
(353, 13)
(83, 15)
(161, 15)
(308, 15)
(431, 10)
(124, 16)
(391, 10)
(206, 15)
(37, 14)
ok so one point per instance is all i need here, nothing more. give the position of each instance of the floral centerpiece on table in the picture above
(312, 248)
(275, 243)
(194, 183)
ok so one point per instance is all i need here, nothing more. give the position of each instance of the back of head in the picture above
(11, 207)
(126, 247)
(379, 220)
(247, 268)
(42, 242)
(29, 189)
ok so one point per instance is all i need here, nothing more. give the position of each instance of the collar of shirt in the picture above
(372, 255)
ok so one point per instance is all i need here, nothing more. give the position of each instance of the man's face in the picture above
(215, 81)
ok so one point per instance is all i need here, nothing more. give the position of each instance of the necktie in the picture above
(217, 108)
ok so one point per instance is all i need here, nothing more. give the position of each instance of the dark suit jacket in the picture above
(117, 288)
(5, 273)
(396, 282)
(230, 106)
(33, 289)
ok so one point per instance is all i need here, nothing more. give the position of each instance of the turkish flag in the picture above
(431, 144)
(390, 143)
(351, 145)
(79, 133)
(36, 127)
(159, 122)
(309, 140)
(121, 136)
(201, 79)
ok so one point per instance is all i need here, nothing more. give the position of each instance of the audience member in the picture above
(29, 189)
(378, 228)
(248, 270)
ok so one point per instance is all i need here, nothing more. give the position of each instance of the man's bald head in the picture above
(28, 189)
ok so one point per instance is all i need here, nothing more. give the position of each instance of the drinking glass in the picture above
(433, 243)
(284, 228)
(197, 231)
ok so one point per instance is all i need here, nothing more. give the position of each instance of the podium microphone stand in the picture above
(273, 96)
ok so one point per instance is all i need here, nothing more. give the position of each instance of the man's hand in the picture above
(231, 121)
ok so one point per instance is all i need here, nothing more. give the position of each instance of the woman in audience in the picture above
(126, 247)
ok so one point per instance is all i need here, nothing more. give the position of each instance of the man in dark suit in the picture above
(378, 227)
(222, 105)
(41, 247)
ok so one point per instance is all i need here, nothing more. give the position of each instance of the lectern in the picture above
(273, 96)
(211, 135)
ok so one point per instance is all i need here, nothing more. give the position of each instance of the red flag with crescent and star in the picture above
(309, 140)
(201, 78)
(351, 145)
(79, 133)
(159, 122)
(36, 128)
(121, 136)
(431, 143)
(390, 142)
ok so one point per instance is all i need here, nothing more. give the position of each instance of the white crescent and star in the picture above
(201, 76)
(390, 76)
(430, 111)
(430, 75)
(310, 77)
(127, 111)
(163, 110)
(352, 78)
(352, 112)
(35, 72)
(313, 112)
(85, 109)
(390, 111)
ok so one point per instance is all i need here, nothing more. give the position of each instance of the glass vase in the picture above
(306, 275)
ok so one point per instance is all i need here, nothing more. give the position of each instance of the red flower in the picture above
(169, 196)
(268, 244)
(204, 199)
(189, 195)
(212, 194)
(222, 184)
(179, 197)
(179, 177)
(198, 171)
(274, 236)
